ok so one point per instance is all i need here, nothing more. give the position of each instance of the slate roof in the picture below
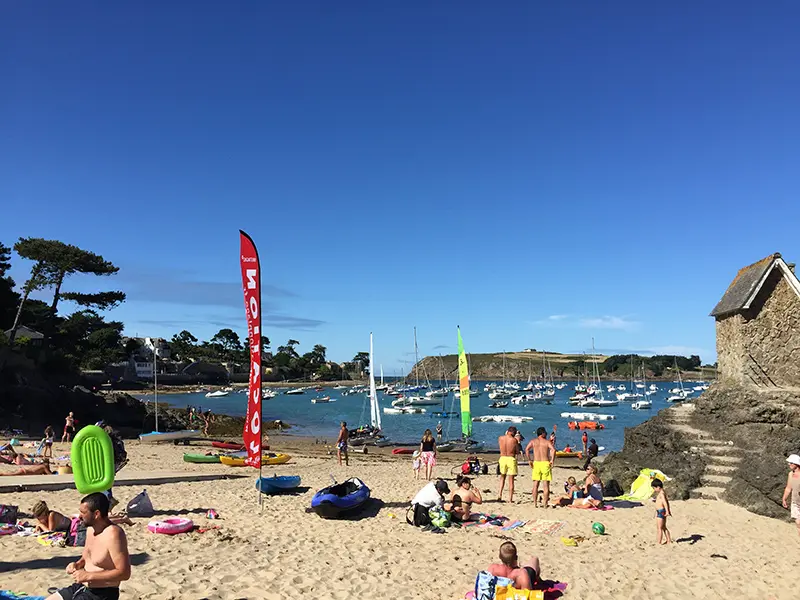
(741, 289)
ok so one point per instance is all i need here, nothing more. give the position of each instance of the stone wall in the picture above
(731, 351)
(772, 330)
(761, 346)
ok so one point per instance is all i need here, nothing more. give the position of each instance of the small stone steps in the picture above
(720, 469)
(708, 492)
(712, 479)
(722, 458)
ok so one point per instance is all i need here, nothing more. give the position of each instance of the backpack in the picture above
(8, 513)
(77, 533)
(420, 517)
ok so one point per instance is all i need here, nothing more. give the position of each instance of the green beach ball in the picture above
(598, 529)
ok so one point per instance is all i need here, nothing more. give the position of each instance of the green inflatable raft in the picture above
(201, 458)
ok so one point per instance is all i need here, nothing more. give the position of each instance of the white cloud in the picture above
(608, 322)
(622, 323)
(681, 350)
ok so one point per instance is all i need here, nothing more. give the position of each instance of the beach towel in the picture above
(9, 595)
(546, 526)
(641, 488)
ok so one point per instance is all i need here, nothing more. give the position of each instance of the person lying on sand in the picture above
(524, 577)
(105, 562)
(49, 520)
(43, 469)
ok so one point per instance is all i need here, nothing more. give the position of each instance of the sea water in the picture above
(322, 420)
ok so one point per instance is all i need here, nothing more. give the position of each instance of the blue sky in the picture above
(538, 173)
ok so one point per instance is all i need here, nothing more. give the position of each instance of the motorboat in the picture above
(502, 419)
(403, 410)
(642, 404)
(217, 394)
(295, 391)
(415, 401)
(597, 402)
(322, 400)
(460, 445)
(500, 394)
(502, 404)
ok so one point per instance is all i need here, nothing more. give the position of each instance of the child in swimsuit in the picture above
(662, 511)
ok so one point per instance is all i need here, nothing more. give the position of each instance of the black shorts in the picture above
(532, 574)
(78, 591)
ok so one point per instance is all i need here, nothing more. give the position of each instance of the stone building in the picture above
(758, 326)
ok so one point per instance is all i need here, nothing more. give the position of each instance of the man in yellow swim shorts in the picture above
(509, 448)
(544, 454)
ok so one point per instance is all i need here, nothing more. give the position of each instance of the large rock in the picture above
(654, 445)
(766, 425)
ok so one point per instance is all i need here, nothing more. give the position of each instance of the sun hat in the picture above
(794, 459)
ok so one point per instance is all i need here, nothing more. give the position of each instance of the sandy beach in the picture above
(280, 551)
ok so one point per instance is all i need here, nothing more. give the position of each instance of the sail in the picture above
(374, 409)
(463, 384)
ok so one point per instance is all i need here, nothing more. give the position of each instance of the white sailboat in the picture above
(374, 407)
(163, 436)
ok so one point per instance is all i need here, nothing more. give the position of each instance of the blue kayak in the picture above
(276, 484)
(341, 500)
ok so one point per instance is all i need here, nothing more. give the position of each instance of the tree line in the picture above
(84, 339)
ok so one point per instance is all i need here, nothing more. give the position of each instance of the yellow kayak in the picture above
(270, 458)
(563, 454)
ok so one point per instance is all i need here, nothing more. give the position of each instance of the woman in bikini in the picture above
(49, 520)
(462, 499)
(592, 491)
(427, 449)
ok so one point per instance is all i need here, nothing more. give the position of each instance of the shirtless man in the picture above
(69, 428)
(509, 448)
(544, 454)
(105, 562)
(525, 577)
(341, 444)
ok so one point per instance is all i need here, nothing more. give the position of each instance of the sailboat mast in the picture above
(155, 376)
(416, 359)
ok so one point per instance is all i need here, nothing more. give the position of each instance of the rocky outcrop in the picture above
(658, 443)
(765, 424)
(730, 444)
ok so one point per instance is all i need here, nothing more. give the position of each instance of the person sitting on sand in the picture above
(572, 491)
(43, 469)
(592, 491)
(524, 577)
(462, 499)
(49, 520)
(105, 562)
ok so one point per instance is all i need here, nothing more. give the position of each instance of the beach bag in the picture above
(439, 517)
(612, 489)
(8, 513)
(420, 517)
(77, 533)
(140, 506)
(486, 585)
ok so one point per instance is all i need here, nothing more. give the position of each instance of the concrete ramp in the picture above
(36, 483)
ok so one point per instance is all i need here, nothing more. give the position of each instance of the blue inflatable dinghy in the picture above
(341, 500)
(276, 484)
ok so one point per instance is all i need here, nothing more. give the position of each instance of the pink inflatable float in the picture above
(171, 526)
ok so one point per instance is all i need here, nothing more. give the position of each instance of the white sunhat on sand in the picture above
(794, 459)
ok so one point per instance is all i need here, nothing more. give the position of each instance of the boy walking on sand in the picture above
(662, 511)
